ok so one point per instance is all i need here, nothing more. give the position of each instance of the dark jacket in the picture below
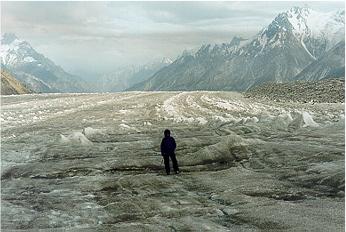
(168, 145)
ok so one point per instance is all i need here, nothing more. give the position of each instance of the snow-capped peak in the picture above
(15, 51)
(299, 11)
(315, 31)
(306, 21)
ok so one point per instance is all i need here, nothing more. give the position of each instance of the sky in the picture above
(92, 38)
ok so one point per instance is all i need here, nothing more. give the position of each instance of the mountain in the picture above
(10, 85)
(34, 69)
(330, 65)
(292, 41)
(127, 76)
(186, 72)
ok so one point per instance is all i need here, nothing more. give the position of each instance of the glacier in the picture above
(91, 162)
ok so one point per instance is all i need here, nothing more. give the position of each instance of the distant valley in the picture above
(127, 76)
(43, 76)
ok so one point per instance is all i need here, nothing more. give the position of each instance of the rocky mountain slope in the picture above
(279, 52)
(332, 64)
(34, 69)
(10, 85)
(324, 91)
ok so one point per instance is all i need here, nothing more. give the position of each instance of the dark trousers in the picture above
(174, 161)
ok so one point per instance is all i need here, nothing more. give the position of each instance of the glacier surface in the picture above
(91, 162)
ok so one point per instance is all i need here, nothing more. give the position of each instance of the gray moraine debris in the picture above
(324, 91)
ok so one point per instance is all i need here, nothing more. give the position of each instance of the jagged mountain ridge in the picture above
(317, 31)
(189, 66)
(38, 72)
(292, 41)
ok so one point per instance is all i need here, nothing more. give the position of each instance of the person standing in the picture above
(168, 146)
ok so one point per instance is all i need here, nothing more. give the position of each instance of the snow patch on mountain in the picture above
(29, 59)
(166, 60)
(316, 31)
(14, 50)
(306, 21)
